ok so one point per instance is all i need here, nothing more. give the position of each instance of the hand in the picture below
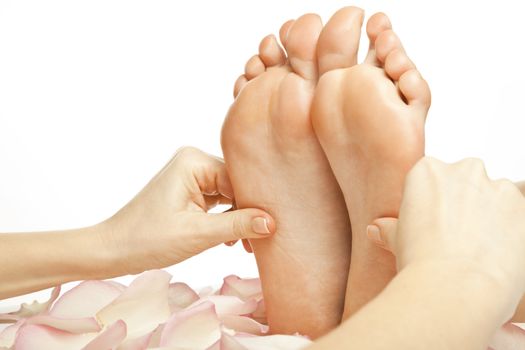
(167, 222)
(453, 215)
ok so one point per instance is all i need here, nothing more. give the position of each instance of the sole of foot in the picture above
(369, 119)
(277, 164)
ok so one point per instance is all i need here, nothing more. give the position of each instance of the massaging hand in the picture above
(167, 222)
(454, 215)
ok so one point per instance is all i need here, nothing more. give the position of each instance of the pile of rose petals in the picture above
(151, 313)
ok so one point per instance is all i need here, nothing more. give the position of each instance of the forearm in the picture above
(34, 261)
(422, 311)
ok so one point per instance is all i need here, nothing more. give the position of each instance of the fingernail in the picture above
(373, 233)
(260, 225)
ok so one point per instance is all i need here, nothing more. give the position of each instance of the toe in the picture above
(285, 29)
(377, 24)
(254, 67)
(301, 45)
(339, 40)
(397, 63)
(415, 89)
(239, 84)
(385, 43)
(271, 52)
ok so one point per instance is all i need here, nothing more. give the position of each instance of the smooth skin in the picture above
(166, 223)
(370, 119)
(460, 249)
(276, 163)
(382, 232)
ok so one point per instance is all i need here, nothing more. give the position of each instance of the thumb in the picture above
(383, 231)
(235, 225)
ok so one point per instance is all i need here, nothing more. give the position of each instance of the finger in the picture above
(247, 245)
(230, 243)
(382, 231)
(211, 176)
(213, 201)
(214, 229)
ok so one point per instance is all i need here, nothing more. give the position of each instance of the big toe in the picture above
(339, 41)
(301, 45)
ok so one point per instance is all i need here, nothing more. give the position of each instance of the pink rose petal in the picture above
(508, 337)
(227, 342)
(249, 288)
(35, 308)
(117, 285)
(32, 336)
(142, 306)
(110, 338)
(181, 296)
(8, 335)
(243, 324)
(140, 343)
(196, 327)
(154, 341)
(71, 325)
(274, 342)
(260, 313)
(229, 305)
(85, 300)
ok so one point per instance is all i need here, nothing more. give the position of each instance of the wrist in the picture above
(111, 248)
(479, 289)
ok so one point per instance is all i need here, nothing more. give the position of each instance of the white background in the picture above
(95, 96)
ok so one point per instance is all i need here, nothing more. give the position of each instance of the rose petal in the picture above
(71, 325)
(154, 341)
(248, 288)
(204, 292)
(181, 296)
(8, 335)
(110, 338)
(274, 342)
(260, 313)
(508, 337)
(229, 305)
(85, 300)
(142, 306)
(34, 336)
(196, 327)
(35, 308)
(117, 285)
(243, 324)
(141, 343)
(227, 342)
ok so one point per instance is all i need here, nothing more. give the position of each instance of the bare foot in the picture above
(369, 119)
(276, 162)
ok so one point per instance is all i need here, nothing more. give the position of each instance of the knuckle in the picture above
(187, 152)
(508, 187)
(473, 165)
(472, 169)
(239, 227)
